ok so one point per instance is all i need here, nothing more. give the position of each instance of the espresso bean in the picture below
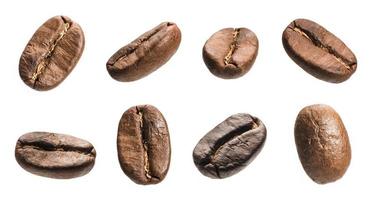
(143, 144)
(55, 155)
(230, 146)
(322, 143)
(318, 52)
(145, 54)
(52, 53)
(230, 53)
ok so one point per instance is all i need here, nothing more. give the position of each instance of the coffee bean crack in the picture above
(46, 57)
(144, 133)
(318, 130)
(318, 43)
(142, 40)
(232, 48)
(224, 141)
(46, 146)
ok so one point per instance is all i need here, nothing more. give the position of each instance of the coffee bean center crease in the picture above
(141, 41)
(318, 43)
(232, 47)
(46, 146)
(144, 133)
(45, 59)
(245, 128)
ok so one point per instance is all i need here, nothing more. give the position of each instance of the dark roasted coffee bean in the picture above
(230, 146)
(55, 155)
(145, 54)
(322, 143)
(52, 53)
(230, 53)
(143, 145)
(318, 52)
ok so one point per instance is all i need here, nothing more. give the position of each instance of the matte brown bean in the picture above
(143, 144)
(322, 143)
(230, 53)
(230, 146)
(55, 155)
(52, 53)
(318, 51)
(146, 53)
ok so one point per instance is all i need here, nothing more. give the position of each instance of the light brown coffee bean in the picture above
(322, 143)
(143, 145)
(52, 53)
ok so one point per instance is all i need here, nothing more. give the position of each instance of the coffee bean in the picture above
(230, 146)
(143, 144)
(145, 54)
(322, 143)
(230, 53)
(318, 52)
(52, 53)
(55, 155)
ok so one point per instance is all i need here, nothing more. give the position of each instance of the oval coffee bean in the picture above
(230, 146)
(143, 144)
(145, 54)
(322, 143)
(318, 51)
(51, 53)
(230, 53)
(55, 155)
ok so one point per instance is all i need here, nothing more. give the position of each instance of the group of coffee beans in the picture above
(143, 140)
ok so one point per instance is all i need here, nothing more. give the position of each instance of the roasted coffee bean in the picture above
(143, 144)
(230, 146)
(52, 53)
(145, 54)
(322, 143)
(318, 52)
(55, 155)
(230, 53)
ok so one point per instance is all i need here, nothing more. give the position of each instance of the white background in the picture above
(89, 103)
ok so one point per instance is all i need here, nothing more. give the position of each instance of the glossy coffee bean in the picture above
(143, 145)
(322, 143)
(230, 53)
(230, 146)
(145, 54)
(52, 53)
(318, 52)
(55, 155)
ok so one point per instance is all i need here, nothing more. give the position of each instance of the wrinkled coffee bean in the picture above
(230, 146)
(143, 144)
(318, 52)
(52, 53)
(55, 155)
(145, 54)
(322, 143)
(230, 53)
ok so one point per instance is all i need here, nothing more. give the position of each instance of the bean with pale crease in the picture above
(143, 144)
(52, 53)
(318, 51)
(231, 52)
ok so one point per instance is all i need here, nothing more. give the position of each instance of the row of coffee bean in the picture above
(144, 150)
(57, 45)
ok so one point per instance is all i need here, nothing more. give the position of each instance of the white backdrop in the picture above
(89, 103)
